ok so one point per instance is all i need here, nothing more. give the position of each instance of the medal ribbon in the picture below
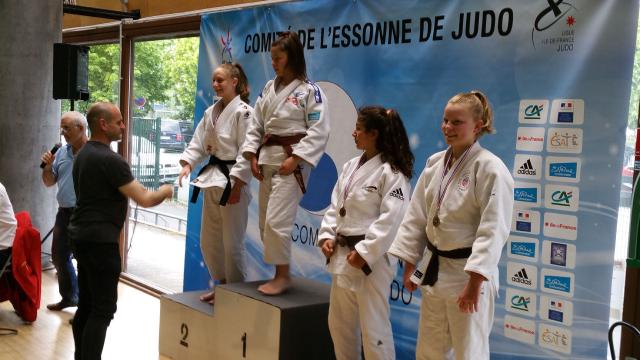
(345, 193)
(445, 171)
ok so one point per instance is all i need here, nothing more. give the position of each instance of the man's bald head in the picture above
(100, 110)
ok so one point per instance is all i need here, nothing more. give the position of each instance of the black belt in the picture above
(350, 242)
(431, 274)
(222, 165)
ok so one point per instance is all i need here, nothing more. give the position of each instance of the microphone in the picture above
(53, 151)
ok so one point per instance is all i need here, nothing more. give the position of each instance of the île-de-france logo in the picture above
(225, 55)
(554, 26)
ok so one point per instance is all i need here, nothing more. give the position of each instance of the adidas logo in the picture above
(521, 277)
(527, 168)
(397, 193)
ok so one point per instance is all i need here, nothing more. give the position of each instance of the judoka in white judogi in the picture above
(368, 200)
(475, 213)
(295, 109)
(221, 133)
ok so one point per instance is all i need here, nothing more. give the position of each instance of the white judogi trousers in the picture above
(447, 333)
(222, 235)
(279, 198)
(365, 309)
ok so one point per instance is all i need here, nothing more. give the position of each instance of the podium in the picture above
(186, 325)
(244, 324)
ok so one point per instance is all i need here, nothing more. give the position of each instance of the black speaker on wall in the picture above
(70, 72)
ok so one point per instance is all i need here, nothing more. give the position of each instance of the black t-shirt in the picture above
(101, 208)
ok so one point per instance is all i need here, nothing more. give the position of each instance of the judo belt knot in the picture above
(222, 165)
(350, 242)
(286, 142)
(431, 274)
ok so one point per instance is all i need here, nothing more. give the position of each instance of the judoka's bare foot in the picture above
(276, 286)
(209, 297)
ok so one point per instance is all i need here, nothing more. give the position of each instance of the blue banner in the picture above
(558, 74)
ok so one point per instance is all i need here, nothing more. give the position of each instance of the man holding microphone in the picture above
(57, 170)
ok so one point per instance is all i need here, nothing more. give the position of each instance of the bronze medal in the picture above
(436, 221)
(343, 211)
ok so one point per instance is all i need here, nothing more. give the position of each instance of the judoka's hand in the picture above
(255, 169)
(328, 246)
(409, 268)
(236, 190)
(186, 170)
(354, 259)
(468, 299)
(289, 165)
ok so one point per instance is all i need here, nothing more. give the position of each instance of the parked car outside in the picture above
(186, 127)
(170, 135)
(626, 187)
(153, 167)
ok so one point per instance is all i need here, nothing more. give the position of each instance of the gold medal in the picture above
(436, 221)
(343, 211)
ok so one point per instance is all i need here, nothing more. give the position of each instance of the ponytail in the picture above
(479, 107)
(392, 141)
(235, 71)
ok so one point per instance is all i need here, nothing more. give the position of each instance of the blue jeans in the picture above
(61, 257)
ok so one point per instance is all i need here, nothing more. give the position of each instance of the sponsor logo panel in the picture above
(521, 302)
(526, 221)
(563, 169)
(558, 254)
(557, 282)
(556, 310)
(567, 112)
(561, 197)
(522, 275)
(520, 329)
(523, 248)
(554, 338)
(530, 138)
(533, 111)
(527, 167)
(564, 140)
(527, 194)
(560, 226)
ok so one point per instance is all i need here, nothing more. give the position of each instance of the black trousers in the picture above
(4, 256)
(98, 273)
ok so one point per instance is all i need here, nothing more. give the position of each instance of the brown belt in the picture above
(350, 242)
(286, 142)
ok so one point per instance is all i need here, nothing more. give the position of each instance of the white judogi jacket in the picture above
(300, 107)
(376, 201)
(475, 212)
(221, 132)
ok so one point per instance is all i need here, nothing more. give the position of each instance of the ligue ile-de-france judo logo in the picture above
(554, 25)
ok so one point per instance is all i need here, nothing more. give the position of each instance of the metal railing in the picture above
(159, 219)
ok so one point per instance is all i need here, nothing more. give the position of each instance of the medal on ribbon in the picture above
(345, 193)
(441, 192)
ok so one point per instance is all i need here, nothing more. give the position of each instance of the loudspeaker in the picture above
(70, 72)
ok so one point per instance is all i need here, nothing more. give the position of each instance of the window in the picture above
(162, 106)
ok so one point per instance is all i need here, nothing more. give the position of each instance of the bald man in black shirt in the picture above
(103, 183)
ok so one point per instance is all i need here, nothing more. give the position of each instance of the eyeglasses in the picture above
(66, 129)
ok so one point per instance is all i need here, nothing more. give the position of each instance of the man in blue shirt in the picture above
(58, 170)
